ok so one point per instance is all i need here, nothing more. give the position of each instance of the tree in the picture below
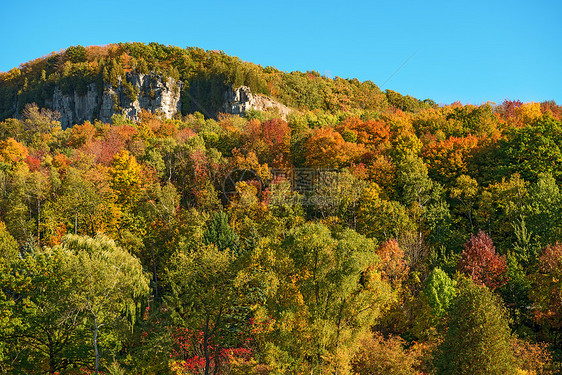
(439, 292)
(544, 205)
(204, 301)
(466, 191)
(126, 177)
(480, 261)
(449, 159)
(326, 148)
(533, 149)
(393, 264)
(380, 218)
(547, 291)
(269, 140)
(12, 151)
(76, 54)
(9, 249)
(220, 234)
(380, 356)
(500, 205)
(478, 338)
(41, 327)
(327, 294)
(109, 283)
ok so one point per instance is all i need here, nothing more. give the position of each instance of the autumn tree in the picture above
(327, 148)
(126, 176)
(378, 355)
(12, 151)
(393, 263)
(269, 140)
(327, 294)
(480, 261)
(9, 249)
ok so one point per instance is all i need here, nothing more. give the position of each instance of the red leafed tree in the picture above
(270, 140)
(480, 261)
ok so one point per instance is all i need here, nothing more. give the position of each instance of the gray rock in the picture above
(155, 94)
(238, 101)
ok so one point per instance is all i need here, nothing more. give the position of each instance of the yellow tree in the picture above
(11, 151)
(126, 177)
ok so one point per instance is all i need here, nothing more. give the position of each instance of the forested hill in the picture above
(361, 232)
(206, 76)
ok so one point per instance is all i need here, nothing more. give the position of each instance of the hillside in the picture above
(339, 229)
(99, 81)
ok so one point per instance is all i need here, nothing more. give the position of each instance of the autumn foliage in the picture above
(360, 242)
(480, 261)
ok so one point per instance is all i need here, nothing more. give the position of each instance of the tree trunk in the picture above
(155, 275)
(38, 222)
(96, 351)
(206, 344)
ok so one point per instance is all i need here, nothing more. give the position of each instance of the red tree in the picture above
(480, 260)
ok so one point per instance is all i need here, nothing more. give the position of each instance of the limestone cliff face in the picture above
(238, 101)
(150, 92)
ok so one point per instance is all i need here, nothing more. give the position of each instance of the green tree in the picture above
(439, 291)
(220, 234)
(41, 327)
(203, 299)
(109, 283)
(478, 338)
(76, 54)
(544, 205)
(8, 245)
(533, 149)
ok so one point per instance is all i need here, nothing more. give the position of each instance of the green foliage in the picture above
(76, 54)
(41, 327)
(533, 149)
(109, 286)
(220, 234)
(439, 291)
(8, 245)
(478, 338)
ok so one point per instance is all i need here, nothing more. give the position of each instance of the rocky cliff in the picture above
(238, 101)
(128, 97)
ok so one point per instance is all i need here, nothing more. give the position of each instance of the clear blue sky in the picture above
(470, 51)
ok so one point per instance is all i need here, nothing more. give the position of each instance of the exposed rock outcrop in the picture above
(150, 92)
(238, 101)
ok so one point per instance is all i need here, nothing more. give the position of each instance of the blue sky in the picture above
(471, 52)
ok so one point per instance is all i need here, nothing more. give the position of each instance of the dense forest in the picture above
(367, 233)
